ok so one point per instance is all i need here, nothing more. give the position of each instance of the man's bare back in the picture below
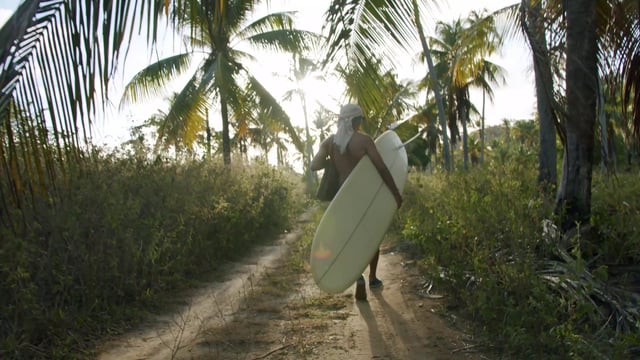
(359, 146)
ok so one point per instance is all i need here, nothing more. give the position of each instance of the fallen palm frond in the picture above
(615, 306)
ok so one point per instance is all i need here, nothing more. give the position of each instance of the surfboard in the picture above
(353, 225)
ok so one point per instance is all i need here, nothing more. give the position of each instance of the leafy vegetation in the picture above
(85, 236)
(121, 232)
(217, 32)
(486, 239)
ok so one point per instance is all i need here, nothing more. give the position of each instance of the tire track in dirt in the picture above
(168, 336)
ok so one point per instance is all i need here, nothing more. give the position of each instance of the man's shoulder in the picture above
(362, 136)
(362, 139)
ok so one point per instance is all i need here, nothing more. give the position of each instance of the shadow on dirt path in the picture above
(265, 308)
(397, 323)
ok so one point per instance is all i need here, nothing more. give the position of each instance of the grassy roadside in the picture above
(121, 233)
(76, 274)
(482, 238)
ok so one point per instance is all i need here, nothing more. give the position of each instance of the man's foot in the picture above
(361, 290)
(375, 283)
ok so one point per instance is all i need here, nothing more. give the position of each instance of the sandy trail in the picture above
(397, 323)
(244, 317)
(167, 336)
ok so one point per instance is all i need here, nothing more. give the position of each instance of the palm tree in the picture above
(265, 131)
(171, 132)
(533, 24)
(619, 125)
(423, 147)
(218, 30)
(426, 52)
(574, 193)
(490, 74)
(484, 31)
(322, 122)
(447, 54)
(610, 32)
(303, 68)
(461, 51)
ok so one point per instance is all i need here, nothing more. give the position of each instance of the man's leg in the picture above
(361, 290)
(373, 267)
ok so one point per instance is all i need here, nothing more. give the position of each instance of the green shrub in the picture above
(121, 231)
(482, 240)
(615, 213)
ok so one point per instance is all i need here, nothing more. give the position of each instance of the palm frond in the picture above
(491, 73)
(150, 81)
(575, 282)
(623, 55)
(273, 21)
(357, 28)
(271, 106)
(275, 31)
(362, 80)
(509, 21)
(186, 116)
(56, 60)
(283, 40)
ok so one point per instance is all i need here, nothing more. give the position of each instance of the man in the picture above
(345, 148)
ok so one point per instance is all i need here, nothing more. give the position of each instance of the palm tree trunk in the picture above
(226, 141)
(606, 160)
(309, 148)
(208, 135)
(436, 88)
(482, 125)
(547, 158)
(463, 114)
(573, 202)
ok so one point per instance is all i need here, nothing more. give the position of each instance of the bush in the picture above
(482, 240)
(119, 232)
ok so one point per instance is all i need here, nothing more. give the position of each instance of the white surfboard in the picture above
(356, 220)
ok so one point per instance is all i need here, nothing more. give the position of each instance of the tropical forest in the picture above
(528, 227)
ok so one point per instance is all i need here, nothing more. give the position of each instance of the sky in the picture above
(515, 100)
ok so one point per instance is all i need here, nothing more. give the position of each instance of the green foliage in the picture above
(301, 252)
(122, 231)
(615, 212)
(481, 234)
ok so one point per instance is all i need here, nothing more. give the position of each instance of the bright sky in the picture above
(515, 100)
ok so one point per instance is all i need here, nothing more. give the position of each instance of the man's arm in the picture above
(379, 164)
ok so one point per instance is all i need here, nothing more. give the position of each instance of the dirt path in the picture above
(266, 308)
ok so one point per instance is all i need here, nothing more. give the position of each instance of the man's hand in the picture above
(398, 199)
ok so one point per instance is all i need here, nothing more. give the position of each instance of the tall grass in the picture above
(118, 233)
(482, 240)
